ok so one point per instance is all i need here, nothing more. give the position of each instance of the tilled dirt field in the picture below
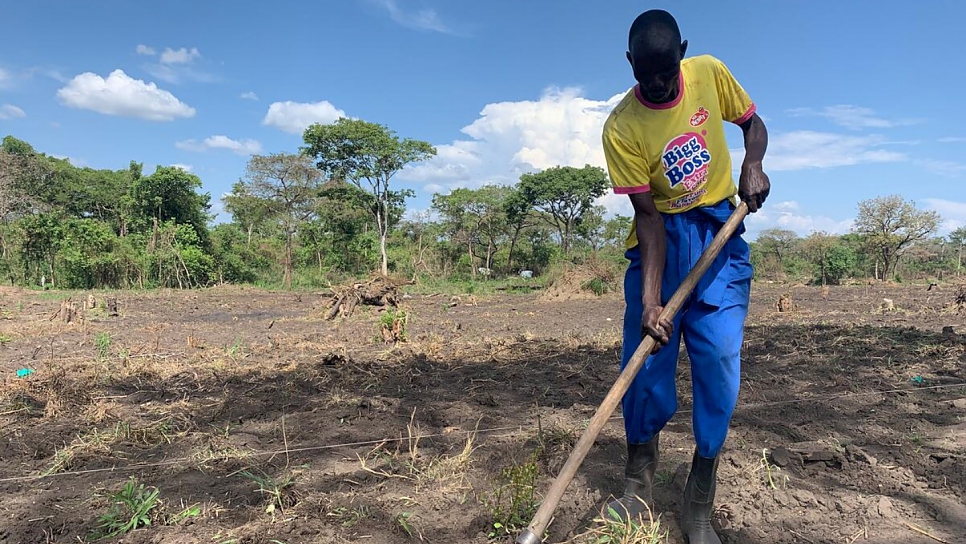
(258, 421)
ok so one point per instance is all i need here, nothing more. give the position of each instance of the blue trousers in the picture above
(711, 321)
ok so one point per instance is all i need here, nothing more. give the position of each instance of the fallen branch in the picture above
(924, 533)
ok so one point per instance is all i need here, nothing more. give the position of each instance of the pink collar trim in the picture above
(667, 105)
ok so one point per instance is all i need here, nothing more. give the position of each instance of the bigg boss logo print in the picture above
(699, 117)
(686, 159)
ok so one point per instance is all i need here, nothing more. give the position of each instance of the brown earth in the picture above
(186, 391)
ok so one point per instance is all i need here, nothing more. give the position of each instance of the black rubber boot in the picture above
(699, 501)
(638, 496)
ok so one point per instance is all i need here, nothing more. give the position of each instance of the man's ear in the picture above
(684, 48)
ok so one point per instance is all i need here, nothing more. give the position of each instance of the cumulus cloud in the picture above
(952, 212)
(510, 138)
(295, 117)
(240, 147)
(8, 111)
(249, 96)
(145, 50)
(851, 117)
(120, 94)
(185, 167)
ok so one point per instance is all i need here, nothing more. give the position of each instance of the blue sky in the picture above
(859, 97)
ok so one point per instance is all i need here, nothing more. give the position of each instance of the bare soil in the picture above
(851, 425)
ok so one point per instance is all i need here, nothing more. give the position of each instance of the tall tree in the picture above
(565, 194)
(170, 194)
(286, 188)
(477, 218)
(957, 239)
(890, 224)
(358, 151)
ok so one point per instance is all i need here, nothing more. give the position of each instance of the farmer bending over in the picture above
(665, 148)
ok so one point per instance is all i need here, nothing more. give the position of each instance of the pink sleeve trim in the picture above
(751, 111)
(632, 190)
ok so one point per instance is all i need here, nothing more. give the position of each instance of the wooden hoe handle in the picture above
(543, 516)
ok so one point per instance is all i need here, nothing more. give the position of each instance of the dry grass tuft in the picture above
(408, 461)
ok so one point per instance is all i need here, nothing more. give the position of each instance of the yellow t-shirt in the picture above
(677, 150)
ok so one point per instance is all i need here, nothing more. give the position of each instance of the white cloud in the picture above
(241, 147)
(952, 139)
(947, 169)
(179, 56)
(145, 50)
(788, 215)
(185, 167)
(803, 149)
(8, 111)
(295, 117)
(124, 96)
(177, 65)
(424, 19)
(952, 212)
(249, 96)
(852, 117)
(510, 138)
(6, 80)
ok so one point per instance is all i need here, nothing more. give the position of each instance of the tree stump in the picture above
(91, 302)
(961, 300)
(111, 303)
(68, 311)
(379, 291)
(785, 303)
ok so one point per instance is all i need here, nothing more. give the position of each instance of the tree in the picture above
(890, 224)
(169, 194)
(832, 259)
(477, 218)
(285, 187)
(565, 194)
(355, 151)
(957, 239)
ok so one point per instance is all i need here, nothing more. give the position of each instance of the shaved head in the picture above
(654, 31)
(655, 51)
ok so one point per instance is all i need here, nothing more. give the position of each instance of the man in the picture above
(665, 148)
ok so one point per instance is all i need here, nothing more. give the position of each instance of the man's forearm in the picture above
(653, 244)
(756, 140)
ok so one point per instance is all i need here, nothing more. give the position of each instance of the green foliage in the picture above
(354, 150)
(332, 213)
(514, 502)
(130, 508)
(890, 224)
(564, 195)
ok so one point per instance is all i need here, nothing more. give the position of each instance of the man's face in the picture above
(657, 73)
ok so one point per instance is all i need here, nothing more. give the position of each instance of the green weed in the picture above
(102, 341)
(130, 508)
(514, 501)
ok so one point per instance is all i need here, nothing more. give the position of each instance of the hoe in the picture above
(543, 516)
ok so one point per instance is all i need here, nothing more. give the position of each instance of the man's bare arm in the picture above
(652, 241)
(754, 185)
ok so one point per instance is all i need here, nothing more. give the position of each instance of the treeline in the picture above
(327, 212)
(890, 240)
(332, 210)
